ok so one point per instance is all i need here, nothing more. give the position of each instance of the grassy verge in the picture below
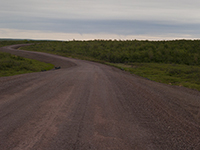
(173, 74)
(13, 65)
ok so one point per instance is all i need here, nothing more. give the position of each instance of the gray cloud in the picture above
(104, 9)
(121, 27)
(123, 17)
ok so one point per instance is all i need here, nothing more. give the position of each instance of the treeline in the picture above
(177, 51)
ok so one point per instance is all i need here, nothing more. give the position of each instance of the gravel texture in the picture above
(86, 105)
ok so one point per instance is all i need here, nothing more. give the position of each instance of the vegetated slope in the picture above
(178, 52)
(172, 62)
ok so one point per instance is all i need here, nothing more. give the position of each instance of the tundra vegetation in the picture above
(13, 65)
(173, 62)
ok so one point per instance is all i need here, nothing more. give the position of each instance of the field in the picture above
(171, 62)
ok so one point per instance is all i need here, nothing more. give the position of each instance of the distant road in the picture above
(86, 105)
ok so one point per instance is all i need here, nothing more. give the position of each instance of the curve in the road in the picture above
(86, 105)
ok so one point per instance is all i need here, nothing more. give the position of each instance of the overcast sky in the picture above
(100, 19)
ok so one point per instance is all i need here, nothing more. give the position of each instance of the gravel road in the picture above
(86, 105)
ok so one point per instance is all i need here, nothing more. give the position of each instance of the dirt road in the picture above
(86, 105)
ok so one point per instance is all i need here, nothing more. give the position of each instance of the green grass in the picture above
(14, 65)
(174, 74)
